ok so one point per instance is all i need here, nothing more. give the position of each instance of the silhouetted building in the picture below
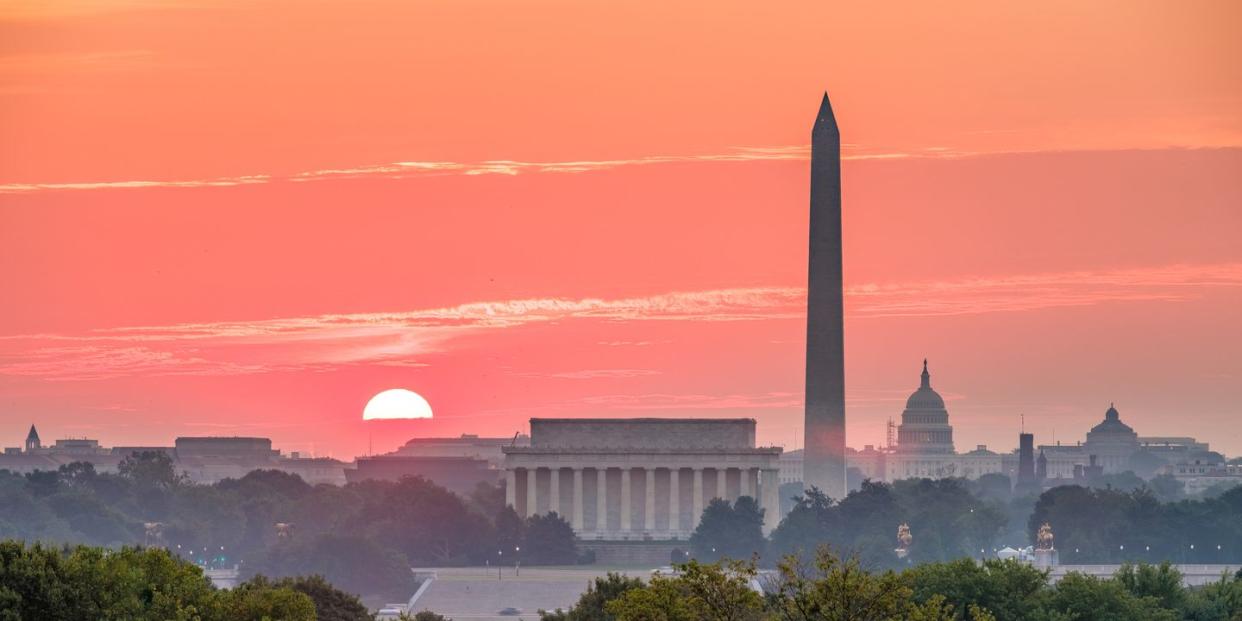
(458, 474)
(824, 462)
(925, 425)
(639, 478)
(1041, 467)
(32, 440)
(1026, 460)
(925, 441)
(1085, 473)
(1112, 442)
(210, 459)
(467, 445)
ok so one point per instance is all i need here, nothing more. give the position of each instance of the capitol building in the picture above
(925, 442)
(923, 447)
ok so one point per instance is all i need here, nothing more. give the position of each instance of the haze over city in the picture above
(569, 210)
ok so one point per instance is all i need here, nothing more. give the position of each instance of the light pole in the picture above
(517, 560)
(499, 554)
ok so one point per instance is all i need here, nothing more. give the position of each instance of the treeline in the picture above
(953, 518)
(76, 583)
(826, 587)
(364, 537)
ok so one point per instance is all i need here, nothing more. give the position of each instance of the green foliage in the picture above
(331, 603)
(149, 469)
(1007, 589)
(134, 584)
(829, 587)
(1077, 596)
(548, 540)
(591, 604)
(1110, 526)
(946, 520)
(425, 615)
(698, 593)
(260, 600)
(729, 530)
(1162, 582)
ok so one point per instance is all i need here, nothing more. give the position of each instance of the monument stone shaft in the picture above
(824, 455)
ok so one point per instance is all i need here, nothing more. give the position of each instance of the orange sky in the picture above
(248, 217)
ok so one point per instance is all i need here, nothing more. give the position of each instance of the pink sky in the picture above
(248, 218)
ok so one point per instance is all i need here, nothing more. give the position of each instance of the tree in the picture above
(1162, 582)
(42, 483)
(77, 474)
(68, 584)
(510, 530)
(831, 588)
(1167, 488)
(592, 604)
(1078, 596)
(427, 523)
(549, 540)
(259, 600)
(425, 615)
(1010, 589)
(331, 603)
(729, 531)
(699, 592)
(947, 522)
(150, 469)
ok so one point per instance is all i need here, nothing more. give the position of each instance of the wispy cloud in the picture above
(327, 341)
(409, 338)
(681, 402)
(1027, 292)
(413, 169)
(595, 374)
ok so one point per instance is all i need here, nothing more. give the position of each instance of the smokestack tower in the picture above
(824, 456)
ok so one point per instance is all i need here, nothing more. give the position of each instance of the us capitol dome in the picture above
(925, 425)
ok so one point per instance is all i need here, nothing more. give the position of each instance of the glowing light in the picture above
(396, 403)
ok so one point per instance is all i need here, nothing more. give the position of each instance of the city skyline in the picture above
(627, 236)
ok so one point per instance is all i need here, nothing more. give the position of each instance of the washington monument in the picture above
(824, 457)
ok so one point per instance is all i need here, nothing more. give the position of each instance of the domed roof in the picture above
(1112, 423)
(925, 398)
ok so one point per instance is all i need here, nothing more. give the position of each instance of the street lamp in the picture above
(517, 562)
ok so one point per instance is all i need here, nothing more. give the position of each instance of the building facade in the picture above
(642, 478)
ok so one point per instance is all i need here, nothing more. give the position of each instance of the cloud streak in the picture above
(409, 339)
(415, 169)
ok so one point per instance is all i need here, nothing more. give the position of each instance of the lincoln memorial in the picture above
(639, 478)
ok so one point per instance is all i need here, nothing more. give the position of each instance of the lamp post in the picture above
(517, 560)
(499, 554)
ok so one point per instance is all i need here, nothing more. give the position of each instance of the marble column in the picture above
(601, 499)
(577, 501)
(625, 500)
(674, 499)
(554, 491)
(511, 488)
(649, 504)
(696, 501)
(744, 483)
(769, 491)
(532, 480)
(722, 478)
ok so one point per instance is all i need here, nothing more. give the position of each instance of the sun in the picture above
(396, 403)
